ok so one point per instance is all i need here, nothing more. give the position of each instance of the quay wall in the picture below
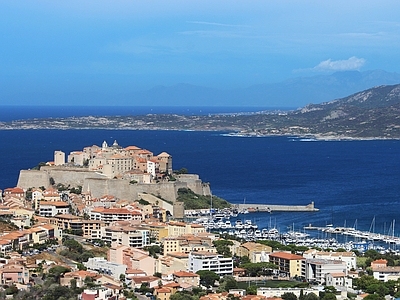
(273, 207)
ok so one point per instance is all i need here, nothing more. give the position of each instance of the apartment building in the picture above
(186, 244)
(181, 228)
(349, 258)
(158, 230)
(126, 235)
(101, 265)
(13, 273)
(289, 264)
(14, 192)
(256, 252)
(173, 262)
(382, 272)
(211, 262)
(318, 269)
(133, 258)
(338, 279)
(90, 229)
(108, 215)
(183, 277)
(52, 208)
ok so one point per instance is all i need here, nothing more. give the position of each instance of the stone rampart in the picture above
(99, 185)
(67, 176)
(191, 181)
(122, 189)
(156, 201)
(33, 178)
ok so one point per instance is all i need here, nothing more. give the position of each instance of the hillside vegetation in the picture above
(192, 200)
(369, 114)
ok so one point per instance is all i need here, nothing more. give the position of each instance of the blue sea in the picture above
(351, 182)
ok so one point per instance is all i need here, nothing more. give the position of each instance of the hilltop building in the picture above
(59, 158)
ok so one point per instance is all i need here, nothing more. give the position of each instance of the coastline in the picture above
(300, 137)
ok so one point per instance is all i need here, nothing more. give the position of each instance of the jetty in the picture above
(273, 207)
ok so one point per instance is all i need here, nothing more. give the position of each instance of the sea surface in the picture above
(351, 182)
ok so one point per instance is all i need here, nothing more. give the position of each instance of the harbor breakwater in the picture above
(272, 207)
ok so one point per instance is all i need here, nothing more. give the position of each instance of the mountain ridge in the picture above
(370, 114)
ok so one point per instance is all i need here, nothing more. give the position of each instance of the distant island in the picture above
(370, 114)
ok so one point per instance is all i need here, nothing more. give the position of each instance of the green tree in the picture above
(73, 245)
(311, 296)
(244, 260)
(89, 283)
(329, 296)
(73, 284)
(181, 171)
(289, 296)
(184, 295)
(251, 290)
(374, 297)
(207, 278)
(84, 257)
(363, 282)
(301, 296)
(227, 283)
(258, 269)
(222, 247)
(330, 289)
(57, 271)
(81, 267)
(11, 290)
(154, 250)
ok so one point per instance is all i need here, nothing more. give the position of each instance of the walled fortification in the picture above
(99, 185)
(33, 178)
(193, 182)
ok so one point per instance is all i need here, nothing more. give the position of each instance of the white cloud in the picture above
(353, 63)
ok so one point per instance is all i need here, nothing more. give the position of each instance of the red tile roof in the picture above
(285, 255)
(185, 274)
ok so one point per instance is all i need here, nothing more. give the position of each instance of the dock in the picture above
(273, 207)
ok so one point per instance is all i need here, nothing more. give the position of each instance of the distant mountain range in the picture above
(373, 113)
(370, 114)
(296, 92)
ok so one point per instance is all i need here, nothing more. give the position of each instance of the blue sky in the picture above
(53, 48)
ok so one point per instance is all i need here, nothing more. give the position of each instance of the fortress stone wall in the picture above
(193, 182)
(36, 178)
(33, 178)
(99, 185)
(124, 190)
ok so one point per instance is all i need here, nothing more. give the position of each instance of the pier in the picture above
(272, 207)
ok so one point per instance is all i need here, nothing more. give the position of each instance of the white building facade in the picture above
(210, 262)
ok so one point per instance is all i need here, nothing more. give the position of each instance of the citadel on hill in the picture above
(129, 173)
(115, 161)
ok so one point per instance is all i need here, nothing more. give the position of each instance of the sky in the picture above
(50, 49)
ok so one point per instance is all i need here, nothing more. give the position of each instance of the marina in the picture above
(239, 225)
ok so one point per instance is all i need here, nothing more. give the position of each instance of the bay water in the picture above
(351, 182)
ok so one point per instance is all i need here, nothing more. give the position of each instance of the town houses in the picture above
(147, 242)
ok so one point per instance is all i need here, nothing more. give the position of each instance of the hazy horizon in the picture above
(102, 52)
